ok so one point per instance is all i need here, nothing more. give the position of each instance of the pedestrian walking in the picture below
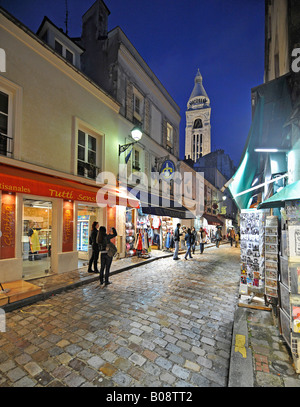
(231, 236)
(202, 238)
(188, 241)
(194, 234)
(95, 248)
(182, 241)
(103, 240)
(177, 235)
(237, 239)
(218, 236)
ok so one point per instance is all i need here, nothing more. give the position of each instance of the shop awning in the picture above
(272, 110)
(213, 220)
(289, 193)
(15, 179)
(162, 207)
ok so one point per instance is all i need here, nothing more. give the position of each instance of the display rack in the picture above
(289, 286)
(271, 258)
(252, 283)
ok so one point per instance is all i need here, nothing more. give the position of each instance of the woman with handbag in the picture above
(107, 250)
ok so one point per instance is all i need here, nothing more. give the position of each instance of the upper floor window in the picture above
(5, 140)
(64, 51)
(138, 106)
(87, 155)
(170, 141)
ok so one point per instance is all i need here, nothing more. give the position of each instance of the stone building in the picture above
(198, 128)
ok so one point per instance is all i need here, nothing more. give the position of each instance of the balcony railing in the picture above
(6, 145)
(87, 170)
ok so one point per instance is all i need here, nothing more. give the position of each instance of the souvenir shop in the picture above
(210, 224)
(147, 232)
(270, 265)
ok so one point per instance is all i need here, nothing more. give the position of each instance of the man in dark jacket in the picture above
(177, 235)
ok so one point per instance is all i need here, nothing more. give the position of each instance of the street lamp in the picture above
(136, 134)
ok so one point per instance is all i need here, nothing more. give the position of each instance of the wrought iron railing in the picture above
(6, 145)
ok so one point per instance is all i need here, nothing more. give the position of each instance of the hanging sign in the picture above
(167, 170)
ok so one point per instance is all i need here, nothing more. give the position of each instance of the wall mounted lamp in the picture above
(136, 134)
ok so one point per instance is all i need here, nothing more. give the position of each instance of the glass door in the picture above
(36, 238)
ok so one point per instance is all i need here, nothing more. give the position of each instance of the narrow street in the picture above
(166, 323)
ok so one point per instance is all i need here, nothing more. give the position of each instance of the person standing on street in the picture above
(194, 234)
(95, 248)
(202, 237)
(177, 235)
(218, 236)
(103, 239)
(188, 241)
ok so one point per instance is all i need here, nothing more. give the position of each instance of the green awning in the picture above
(289, 193)
(272, 110)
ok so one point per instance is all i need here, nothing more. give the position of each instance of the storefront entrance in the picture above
(36, 238)
(85, 218)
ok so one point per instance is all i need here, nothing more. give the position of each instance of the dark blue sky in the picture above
(223, 38)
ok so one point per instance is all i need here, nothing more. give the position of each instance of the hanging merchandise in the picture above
(167, 233)
(130, 235)
(252, 252)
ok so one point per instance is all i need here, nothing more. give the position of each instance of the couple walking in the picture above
(190, 241)
(101, 243)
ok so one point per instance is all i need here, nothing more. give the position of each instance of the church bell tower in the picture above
(198, 129)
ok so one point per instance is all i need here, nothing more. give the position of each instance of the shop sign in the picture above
(67, 226)
(8, 211)
(167, 170)
(15, 184)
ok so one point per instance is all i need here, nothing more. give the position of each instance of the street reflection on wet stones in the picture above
(165, 323)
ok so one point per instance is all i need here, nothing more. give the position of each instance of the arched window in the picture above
(198, 124)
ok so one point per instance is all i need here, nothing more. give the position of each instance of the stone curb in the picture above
(241, 365)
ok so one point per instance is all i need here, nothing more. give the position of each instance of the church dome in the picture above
(198, 95)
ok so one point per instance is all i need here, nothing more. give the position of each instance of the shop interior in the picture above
(85, 218)
(36, 238)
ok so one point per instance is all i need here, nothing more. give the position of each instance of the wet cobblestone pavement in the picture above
(166, 323)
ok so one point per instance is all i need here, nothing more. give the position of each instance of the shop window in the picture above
(87, 155)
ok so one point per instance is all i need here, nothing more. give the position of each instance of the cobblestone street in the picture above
(166, 323)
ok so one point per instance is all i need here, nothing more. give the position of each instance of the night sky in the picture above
(223, 38)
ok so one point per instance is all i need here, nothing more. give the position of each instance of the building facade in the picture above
(67, 157)
(57, 129)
